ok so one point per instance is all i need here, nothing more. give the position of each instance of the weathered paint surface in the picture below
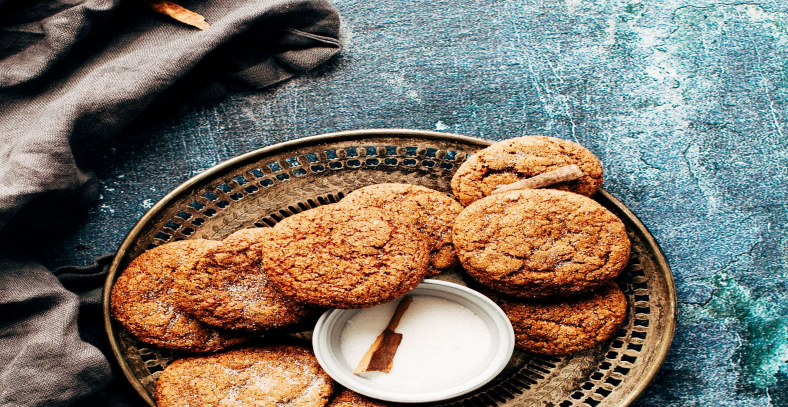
(684, 102)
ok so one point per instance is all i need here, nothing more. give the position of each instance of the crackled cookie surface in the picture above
(540, 243)
(276, 376)
(519, 158)
(344, 257)
(431, 211)
(142, 300)
(568, 326)
(349, 398)
(225, 285)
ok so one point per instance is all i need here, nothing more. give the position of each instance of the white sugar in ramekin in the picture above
(328, 348)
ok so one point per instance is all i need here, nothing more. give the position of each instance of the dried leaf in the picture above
(179, 13)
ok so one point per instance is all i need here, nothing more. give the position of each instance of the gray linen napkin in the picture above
(73, 73)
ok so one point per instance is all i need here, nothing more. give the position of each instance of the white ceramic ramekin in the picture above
(330, 325)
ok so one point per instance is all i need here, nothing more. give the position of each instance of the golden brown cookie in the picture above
(277, 376)
(226, 286)
(349, 398)
(431, 211)
(540, 243)
(142, 301)
(342, 257)
(519, 158)
(568, 326)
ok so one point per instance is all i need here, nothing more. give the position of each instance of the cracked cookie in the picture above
(281, 375)
(342, 257)
(349, 398)
(540, 243)
(431, 211)
(519, 158)
(568, 326)
(142, 300)
(225, 285)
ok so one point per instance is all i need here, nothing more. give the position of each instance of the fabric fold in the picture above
(44, 359)
(74, 73)
(31, 42)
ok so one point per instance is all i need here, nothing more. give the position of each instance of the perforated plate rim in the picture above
(184, 188)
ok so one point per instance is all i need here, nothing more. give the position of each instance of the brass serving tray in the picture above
(262, 187)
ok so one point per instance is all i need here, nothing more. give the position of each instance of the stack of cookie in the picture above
(549, 255)
(202, 296)
(373, 247)
(546, 256)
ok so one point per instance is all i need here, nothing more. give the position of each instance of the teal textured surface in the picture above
(684, 104)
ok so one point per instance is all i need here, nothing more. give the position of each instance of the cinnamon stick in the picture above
(179, 13)
(380, 356)
(561, 174)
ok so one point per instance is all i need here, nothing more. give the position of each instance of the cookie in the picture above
(540, 243)
(519, 158)
(142, 301)
(282, 375)
(568, 326)
(226, 286)
(431, 211)
(342, 257)
(349, 398)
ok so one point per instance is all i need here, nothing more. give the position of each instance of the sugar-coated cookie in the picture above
(519, 158)
(349, 398)
(276, 376)
(431, 211)
(343, 257)
(142, 301)
(566, 326)
(540, 243)
(226, 286)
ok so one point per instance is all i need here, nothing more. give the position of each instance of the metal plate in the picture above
(262, 187)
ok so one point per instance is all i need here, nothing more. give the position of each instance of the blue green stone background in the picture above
(684, 103)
